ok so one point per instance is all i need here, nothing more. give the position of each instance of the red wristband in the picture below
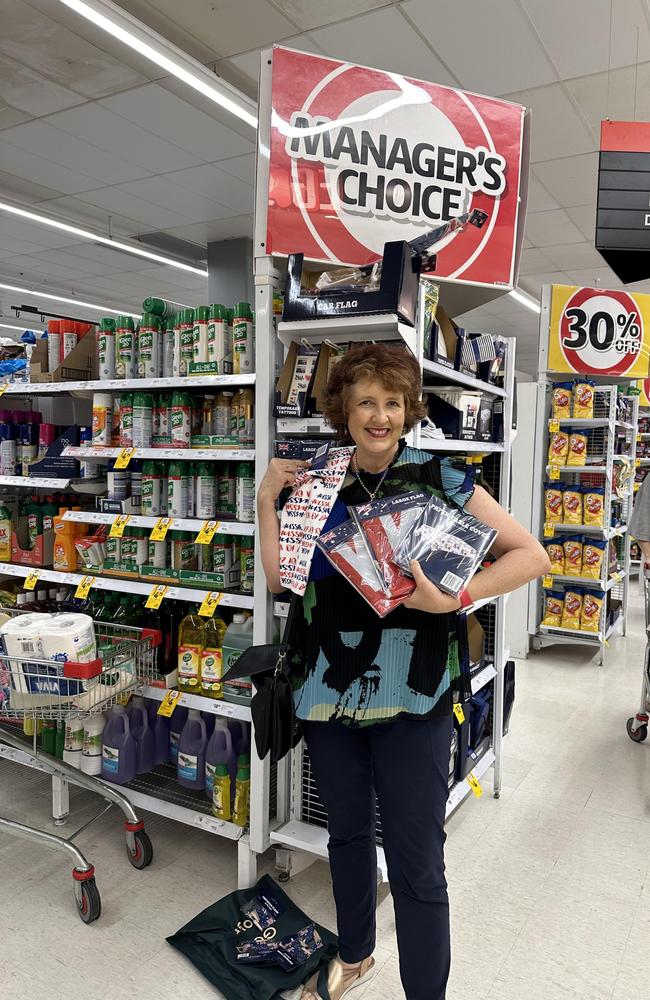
(465, 600)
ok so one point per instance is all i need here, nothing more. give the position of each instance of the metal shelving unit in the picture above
(95, 454)
(144, 521)
(124, 384)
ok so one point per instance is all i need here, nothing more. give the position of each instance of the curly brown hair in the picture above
(392, 365)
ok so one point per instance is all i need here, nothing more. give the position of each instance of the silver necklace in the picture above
(374, 493)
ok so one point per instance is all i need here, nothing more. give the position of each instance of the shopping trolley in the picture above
(40, 689)
(637, 726)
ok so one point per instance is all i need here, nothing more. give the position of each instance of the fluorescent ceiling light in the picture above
(526, 300)
(148, 43)
(62, 298)
(86, 234)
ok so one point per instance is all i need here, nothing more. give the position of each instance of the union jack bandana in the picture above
(304, 516)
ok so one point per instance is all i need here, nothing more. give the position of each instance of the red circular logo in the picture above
(601, 332)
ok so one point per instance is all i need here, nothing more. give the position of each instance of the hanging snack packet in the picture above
(572, 505)
(552, 504)
(573, 555)
(558, 448)
(572, 608)
(583, 399)
(385, 523)
(555, 552)
(561, 400)
(592, 604)
(593, 505)
(593, 554)
(577, 452)
(346, 549)
(553, 608)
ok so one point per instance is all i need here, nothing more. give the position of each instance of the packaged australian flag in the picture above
(385, 523)
(448, 543)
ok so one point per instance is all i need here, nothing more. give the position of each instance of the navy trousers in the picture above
(406, 764)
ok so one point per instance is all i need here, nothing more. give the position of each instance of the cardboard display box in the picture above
(294, 358)
(455, 411)
(43, 552)
(80, 364)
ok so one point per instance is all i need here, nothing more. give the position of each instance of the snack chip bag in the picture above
(577, 450)
(592, 603)
(555, 552)
(593, 554)
(558, 448)
(573, 555)
(552, 504)
(553, 608)
(583, 399)
(561, 400)
(593, 503)
(572, 608)
(572, 505)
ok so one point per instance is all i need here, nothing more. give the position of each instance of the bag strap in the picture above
(293, 604)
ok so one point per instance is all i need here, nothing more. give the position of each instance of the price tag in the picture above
(554, 472)
(209, 605)
(549, 529)
(169, 703)
(547, 582)
(124, 458)
(83, 587)
(160, 529)
(3, 388)
(475, 785)
(637, 487)
(155, 598)
(637, 462)
(618, 577)
(118, 526)
(32, 579)
(207, 532)
(638, 438)
(591, 332)
(458, 712)
(554, 425)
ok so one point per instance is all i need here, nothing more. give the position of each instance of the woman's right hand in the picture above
(280, 475)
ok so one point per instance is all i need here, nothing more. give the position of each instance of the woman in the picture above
(375, 694)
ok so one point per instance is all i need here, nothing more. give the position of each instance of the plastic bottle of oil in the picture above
(212, 658)
(221, 793)
(241, 811)
(191, 640)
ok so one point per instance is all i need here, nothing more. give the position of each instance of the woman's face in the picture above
(375, 418)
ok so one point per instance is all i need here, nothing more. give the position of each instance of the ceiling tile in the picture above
(539, 199)
(556, 128)
(547, 229)
(240, 166)
(572, 256)
(106, 130)
(161, 191)
(33, 39)
(155, 110)
(597, 276)
(243, 70)
(573, 180)
(10, 116)
(222, 189)
(533, 283)
(135, 207)
(215, 230)
(45, 265)
(622, 95)
(533, 261)
(386, 40)
(15, 186)
(464, 49)
(43, 237)
(584, 217)
(68, 151)
(28, 91)
(39, 170)
(92, 216)
(310, 14)
(576, 35)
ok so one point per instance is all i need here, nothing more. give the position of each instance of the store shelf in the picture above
(348, 329)
(453, 377)
(589, 637)
(142, 521)
(462, 789)
(124, 384)
(126, 586)
(302, 426)
(448, 444)
(644, 461)
(585, 581)
(625, 426)
(592, 529)
(43, 483)
(213, 705)
(483, 677)
(314, 839)
(172, 454)
(602, 469)
(585, 422)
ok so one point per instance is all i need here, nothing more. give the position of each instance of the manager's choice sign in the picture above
(358, 157)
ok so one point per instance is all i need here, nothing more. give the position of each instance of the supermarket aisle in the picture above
(548, 885)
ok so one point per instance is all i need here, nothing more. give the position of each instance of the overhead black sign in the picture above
(623, 211)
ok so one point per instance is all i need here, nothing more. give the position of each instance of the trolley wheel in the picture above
(639, 735)
(142, 855)
(90, 905)
(284, 877)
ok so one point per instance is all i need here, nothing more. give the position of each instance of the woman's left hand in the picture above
(428, 597)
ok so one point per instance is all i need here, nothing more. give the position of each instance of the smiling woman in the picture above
(375, 694)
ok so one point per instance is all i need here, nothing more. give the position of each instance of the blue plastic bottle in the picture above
(119, 750)
(143, 736)
(176, 726)
(191, 752)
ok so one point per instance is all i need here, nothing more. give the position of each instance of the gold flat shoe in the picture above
(336, 982)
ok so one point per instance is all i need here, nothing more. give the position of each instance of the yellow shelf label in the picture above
(32, 579)
(637, 487)
(458, 712)
(207, 532)
(549, 529)
(554, 425)
(475, 785)
(3, 388)
(155, 598)
(160, 529)
(638, 438)
(554, 472)
(547, 582)
(169, 703)
(124, 458)
(210, 602)
(118, 525)
(83, 587)
(637, 462)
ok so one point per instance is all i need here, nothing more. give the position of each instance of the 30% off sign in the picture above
(598, 333)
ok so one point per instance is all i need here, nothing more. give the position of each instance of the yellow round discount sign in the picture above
(597, 331)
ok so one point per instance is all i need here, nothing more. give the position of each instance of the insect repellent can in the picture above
(125, 359)
(200, 335)
(181, 420)
(187, 340)
(106, 348)
(149, 347)
(242, 337)
(126, 420)
(102, 418)
(178, 484)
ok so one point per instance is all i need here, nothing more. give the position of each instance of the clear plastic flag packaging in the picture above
(348, 552)
(385, 523)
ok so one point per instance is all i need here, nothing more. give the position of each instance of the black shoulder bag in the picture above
(276, 726)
